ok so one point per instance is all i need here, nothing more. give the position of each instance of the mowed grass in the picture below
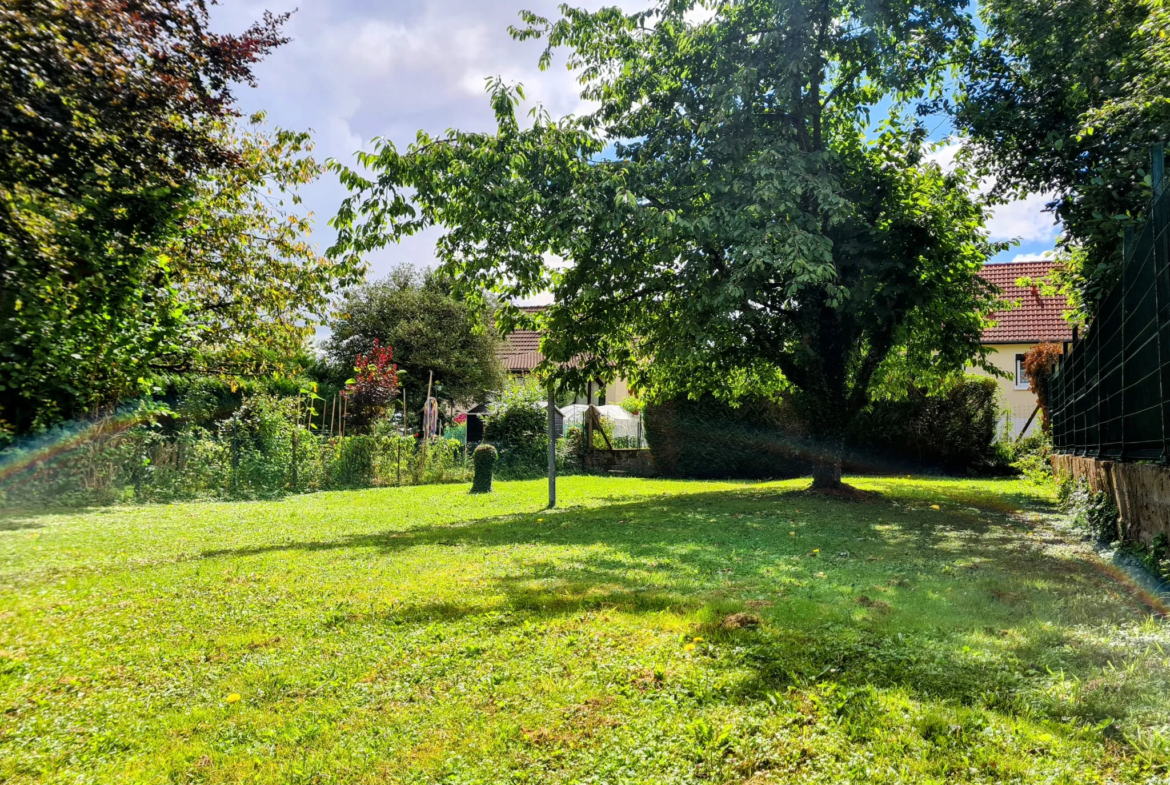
(646, 632)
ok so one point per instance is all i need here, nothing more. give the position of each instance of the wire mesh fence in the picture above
(1110, 395)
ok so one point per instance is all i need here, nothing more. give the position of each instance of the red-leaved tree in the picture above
(374, 386)
(1039, 363)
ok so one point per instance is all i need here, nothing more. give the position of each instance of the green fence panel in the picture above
(1110, 394)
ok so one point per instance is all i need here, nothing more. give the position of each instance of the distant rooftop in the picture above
(1037, 317)
(520, 352)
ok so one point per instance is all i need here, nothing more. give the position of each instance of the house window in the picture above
(1022, 382)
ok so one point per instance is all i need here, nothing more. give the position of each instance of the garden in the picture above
(245, 536)
(645, 631)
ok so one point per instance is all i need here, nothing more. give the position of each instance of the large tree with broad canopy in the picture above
(730, 213)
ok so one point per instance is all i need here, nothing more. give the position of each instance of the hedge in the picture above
(951, 431)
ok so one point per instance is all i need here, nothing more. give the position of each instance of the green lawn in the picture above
(647, 632)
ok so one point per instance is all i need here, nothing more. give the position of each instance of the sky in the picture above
(359, 69)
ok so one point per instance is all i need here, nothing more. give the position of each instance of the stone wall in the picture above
(1140, 491)
(636, 463)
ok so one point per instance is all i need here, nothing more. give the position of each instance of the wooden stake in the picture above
(426, 430)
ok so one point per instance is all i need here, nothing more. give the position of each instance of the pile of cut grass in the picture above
(648, 632)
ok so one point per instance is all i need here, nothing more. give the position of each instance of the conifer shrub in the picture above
(484, 460)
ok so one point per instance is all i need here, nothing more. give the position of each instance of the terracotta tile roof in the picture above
(520, 352)
(1036, 317)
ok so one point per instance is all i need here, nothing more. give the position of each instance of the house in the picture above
(521, 353)
(1036, 318)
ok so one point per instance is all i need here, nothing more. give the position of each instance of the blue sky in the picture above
(356, 69)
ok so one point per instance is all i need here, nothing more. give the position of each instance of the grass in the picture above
(647, 632)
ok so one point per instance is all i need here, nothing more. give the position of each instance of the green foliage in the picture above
(1066, 98)
(249, 283)
(1031, 456)
(951, 429)
(707, 438)
(571, 451)
(1093, 512)
(484, 459)
(633, 404)
(257, 448)
(353, 466)
(942, 645)
(109, 113)
(430, 330)
(517, 422)
(743, 225)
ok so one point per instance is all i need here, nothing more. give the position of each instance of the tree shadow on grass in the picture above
(18, 524)
(951, 603)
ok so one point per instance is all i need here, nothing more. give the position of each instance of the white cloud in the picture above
(1024, 220)
(1032, 257)
(359, 69)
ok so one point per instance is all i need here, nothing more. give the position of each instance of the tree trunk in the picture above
(827, 473)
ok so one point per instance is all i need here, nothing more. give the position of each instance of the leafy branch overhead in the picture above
(729, 211)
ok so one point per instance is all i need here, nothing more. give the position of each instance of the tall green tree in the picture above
(247, 280)
(1067, 98)
(740, 223)
(429, 330)
(108, 111)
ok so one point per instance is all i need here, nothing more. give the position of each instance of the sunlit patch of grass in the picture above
(647, 631)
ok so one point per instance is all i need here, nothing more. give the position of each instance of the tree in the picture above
(373, 388)
(250, 285)
(1039, 364)
(1068, 98)
(107, 115)
(430, 330)
(739, 226)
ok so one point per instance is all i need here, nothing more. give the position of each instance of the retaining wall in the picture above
(636, 463)
(1140, 491)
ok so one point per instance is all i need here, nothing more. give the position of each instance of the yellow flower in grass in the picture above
(234, 698)
(816, 550)
(698, 640)
(689, 647)
(935, 507)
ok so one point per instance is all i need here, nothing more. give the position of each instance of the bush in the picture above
(259, 451)
(518, 424)
(1093, 512)
(953, 430)
(1030, 456)
(353, 464)
(1039, 364)
(707, 438)
(485, 461)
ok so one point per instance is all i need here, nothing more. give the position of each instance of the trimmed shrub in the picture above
(707, 438)
(518, 424)
(484, 460)
(953, 430)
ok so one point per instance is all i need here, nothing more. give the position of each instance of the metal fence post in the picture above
(294, 457)
(1126, 254)
(235, 455)
(1161, 246)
